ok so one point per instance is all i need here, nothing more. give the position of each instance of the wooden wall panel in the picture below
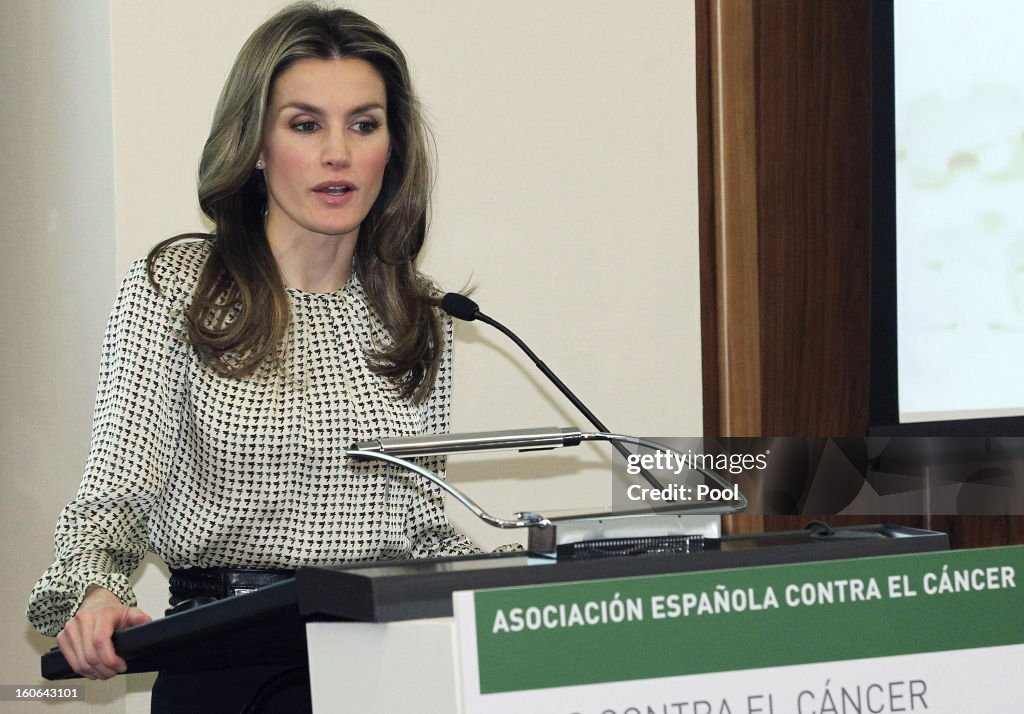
(734, 154)
(814, 183)
(785, 203)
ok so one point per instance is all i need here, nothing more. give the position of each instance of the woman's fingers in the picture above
(99, 648)
(77, 643)
(132, 617)
(86, 642)
(68, 643)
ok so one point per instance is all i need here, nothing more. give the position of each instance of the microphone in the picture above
(462, 308)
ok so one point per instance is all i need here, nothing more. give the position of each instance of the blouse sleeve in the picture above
(101, 535)
(429, 530)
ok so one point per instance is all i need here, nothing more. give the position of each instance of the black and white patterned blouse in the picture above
(211, 471)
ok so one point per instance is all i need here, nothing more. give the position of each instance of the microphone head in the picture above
(459, 306)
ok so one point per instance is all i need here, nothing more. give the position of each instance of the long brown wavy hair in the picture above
(240, 310)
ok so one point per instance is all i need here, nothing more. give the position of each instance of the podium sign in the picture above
(935, 632)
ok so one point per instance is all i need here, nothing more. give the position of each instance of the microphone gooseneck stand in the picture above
(462, 308)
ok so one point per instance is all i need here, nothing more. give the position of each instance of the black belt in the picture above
(191, 587)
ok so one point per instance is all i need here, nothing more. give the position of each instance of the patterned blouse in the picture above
(211, 471)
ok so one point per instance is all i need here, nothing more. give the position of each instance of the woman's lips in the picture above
(334, 193)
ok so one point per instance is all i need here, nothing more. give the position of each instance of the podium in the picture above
(394, 618)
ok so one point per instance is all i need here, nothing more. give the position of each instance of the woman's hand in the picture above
(85, 639)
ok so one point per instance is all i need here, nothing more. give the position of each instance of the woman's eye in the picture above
(366, 126)
(304, 126)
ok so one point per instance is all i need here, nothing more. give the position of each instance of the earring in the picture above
(260, 165)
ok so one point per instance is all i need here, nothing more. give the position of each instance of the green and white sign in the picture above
(935, 632)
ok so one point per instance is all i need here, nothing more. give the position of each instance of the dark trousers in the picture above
(266, 689)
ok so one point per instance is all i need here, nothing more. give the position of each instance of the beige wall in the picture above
(57, 262)
(567, 193)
